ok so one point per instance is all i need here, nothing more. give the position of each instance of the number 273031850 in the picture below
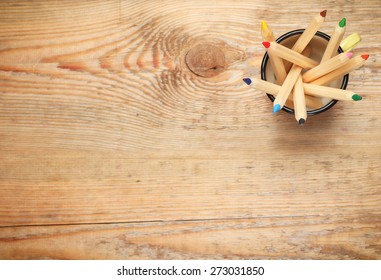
(224, 270)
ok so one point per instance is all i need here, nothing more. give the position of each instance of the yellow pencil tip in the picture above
(264, 25)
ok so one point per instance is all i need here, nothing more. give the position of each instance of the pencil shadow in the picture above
(317, 131)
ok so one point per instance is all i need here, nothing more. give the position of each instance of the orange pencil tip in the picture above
(266, 44)
(323, 13)
(365, 56)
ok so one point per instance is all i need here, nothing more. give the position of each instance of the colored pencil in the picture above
(334, 93)
(334, 42)
(326, 67)
(311, 101)
(299, 101)
(286, 88)
(350, 42)
(263, 85)
(290, 55)
(308, 34)
(352, 64)
(267, 33)
(275, 61)
(288, 84)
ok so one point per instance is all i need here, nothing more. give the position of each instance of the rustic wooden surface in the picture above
(112, 148)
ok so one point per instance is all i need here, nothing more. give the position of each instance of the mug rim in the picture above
(265, 61)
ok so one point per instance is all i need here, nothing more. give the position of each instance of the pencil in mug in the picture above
(301, 60)
(307, 35)
(275, 61)
(300, 109)
(334, 42)
(288, 84)
(273, 89)
(326, 67)
(334, 93)
(352, 64)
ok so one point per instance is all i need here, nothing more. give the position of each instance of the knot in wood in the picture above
(205, 60)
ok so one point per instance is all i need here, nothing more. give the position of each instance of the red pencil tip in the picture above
(323, 13)
(266, 44)
(365, 56)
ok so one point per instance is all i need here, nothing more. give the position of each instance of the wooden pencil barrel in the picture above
(317, 44)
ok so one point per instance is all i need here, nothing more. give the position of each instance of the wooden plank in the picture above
(54, 188)
(307, 237)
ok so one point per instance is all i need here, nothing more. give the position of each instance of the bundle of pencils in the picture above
(306, 89)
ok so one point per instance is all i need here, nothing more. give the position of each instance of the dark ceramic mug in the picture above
(318, 45)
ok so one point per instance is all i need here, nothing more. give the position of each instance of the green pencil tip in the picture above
(356, 97)
(343, 22)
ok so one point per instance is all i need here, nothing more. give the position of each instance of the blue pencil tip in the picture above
(276, 108)
(247, 81)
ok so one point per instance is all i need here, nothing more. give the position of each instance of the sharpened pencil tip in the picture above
(343, 22)
(266, 44)
(356, 97)
(302, 121)
(323, 13)
(349, 55)
(247, 81)
(264, 25)
(365, 56)
(276, 108)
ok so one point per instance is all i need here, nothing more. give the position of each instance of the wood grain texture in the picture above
(319, 237)
(111, 147)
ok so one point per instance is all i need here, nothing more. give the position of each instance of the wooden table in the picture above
(111, 147)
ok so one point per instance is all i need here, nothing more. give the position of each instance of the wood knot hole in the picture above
(205, 60)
